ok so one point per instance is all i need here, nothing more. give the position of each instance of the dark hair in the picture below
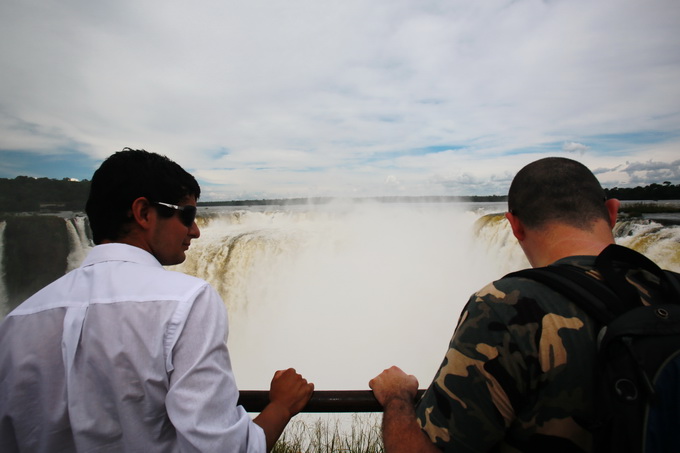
(557, 189)
(126, 176)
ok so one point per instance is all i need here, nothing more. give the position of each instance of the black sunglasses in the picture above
(187, 213)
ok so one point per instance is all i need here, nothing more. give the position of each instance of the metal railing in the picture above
(321, 401)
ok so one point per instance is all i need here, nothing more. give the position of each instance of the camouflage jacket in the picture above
(517, 377)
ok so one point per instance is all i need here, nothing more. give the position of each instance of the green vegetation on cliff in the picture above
(26, 194)
(665, 191)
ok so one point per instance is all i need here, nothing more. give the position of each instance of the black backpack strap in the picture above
(614, 258)
(591, 295)
(672, 282)
(604, 300)
(609, 264)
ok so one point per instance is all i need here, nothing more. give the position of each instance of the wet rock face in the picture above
(35, 254)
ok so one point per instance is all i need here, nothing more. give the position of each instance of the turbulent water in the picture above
(342, 291)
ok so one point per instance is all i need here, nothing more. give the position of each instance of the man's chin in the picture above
(174, 260)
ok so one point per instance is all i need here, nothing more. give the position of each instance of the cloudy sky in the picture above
(296, 98)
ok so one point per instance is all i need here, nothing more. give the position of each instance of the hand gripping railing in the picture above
(321, 401)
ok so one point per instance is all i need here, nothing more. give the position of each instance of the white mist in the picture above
(341, 292)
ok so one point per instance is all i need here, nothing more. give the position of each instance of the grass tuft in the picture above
(329, 436)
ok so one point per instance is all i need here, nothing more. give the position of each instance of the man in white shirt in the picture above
(123, 355)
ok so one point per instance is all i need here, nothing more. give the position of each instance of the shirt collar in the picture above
(119, 252)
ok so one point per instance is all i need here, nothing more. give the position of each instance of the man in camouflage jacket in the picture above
(517, 376)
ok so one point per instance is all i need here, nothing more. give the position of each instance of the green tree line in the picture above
(665, 191)
(24, 193)
(27, 194)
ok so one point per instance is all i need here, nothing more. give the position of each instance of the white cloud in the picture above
(642, 172)
(574, 147)
(321, 96)
(391, 180)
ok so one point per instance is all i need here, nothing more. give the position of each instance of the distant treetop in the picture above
(665, 191)
(27, 194)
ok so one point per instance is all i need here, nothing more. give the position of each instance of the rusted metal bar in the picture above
(321, 401)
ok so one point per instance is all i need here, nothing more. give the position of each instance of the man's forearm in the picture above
(401, 432)
(273, 420)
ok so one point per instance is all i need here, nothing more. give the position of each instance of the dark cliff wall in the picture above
(36, 249)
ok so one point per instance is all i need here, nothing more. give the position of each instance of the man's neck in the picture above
(560, 241)
(132, 238)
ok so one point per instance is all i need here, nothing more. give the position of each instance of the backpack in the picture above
(637, 375)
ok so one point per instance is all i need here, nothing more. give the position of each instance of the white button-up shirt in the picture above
(121, 355)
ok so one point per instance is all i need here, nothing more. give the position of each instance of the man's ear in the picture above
(516, 225)
(142, 212)
(612, 205)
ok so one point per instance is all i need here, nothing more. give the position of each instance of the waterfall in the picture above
(339, 292)
(502, 252)
(79, 243)
(342, 291)
(659, 243)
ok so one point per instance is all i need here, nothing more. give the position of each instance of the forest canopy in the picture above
(665, 191)
(27, 194)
